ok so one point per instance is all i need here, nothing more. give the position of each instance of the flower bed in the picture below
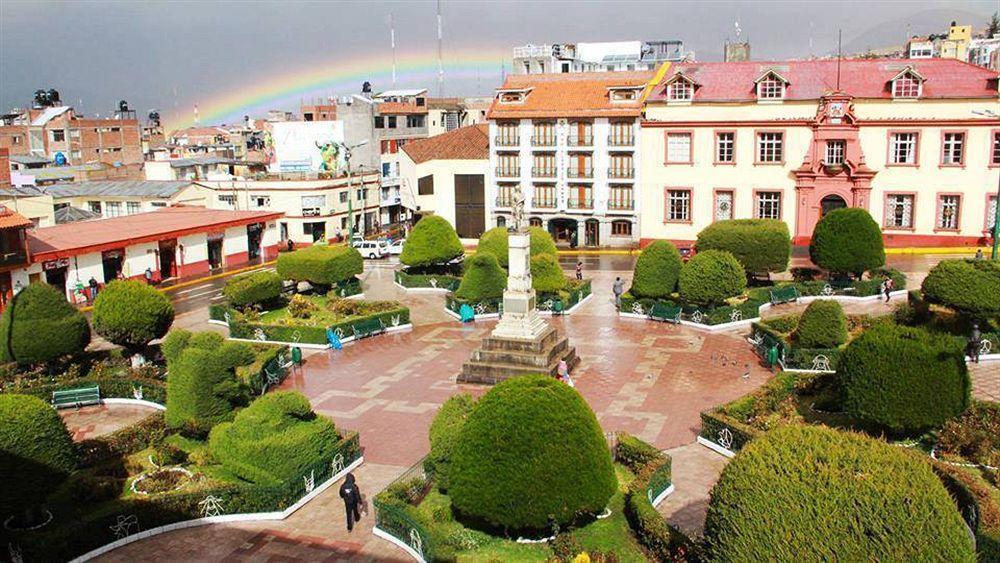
(444, 282)
(575, 293)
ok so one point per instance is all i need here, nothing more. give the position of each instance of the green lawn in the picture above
(326, 311)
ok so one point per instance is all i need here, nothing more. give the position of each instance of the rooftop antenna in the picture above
(440, 65)
(196, 121)
(392, 41)
(840, 36)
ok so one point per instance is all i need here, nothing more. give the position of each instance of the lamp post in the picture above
(350, 208)
(996, 215)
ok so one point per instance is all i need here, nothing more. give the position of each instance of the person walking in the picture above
(149, 275)
(975, 343)
(352, 500)
(888, 288)
(563, 371)
(979, 254)
(579, 270)
(618, 289)
(94, 287)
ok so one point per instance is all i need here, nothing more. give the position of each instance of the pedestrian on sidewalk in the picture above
(975, 343)
(93, 288)
(888, 288)
(149, 276)
(352, 500)
(979, 254)
(618, 289)
(579, 270)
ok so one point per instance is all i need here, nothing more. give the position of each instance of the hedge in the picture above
(240, 328)
(436, 281)
(36, 452)
(132, 313)
(124, 441)
(39, 325)
(971, 287)
(495, 242)
(273, 440)
(432, 241)
(656, 270)
(483, 279)
(847, 240)
(760, 245)
(979, 504)
(257, 288)
(822, 325)
(444, 433)
(121, 386)
(713, 427)
(531, 455)
(320, 264)
(546, 274)
(635, 453)
(711, 277)
(652, 468)
(904, 380)
(812, 493)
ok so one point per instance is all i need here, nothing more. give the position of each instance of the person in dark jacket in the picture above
(352, 500)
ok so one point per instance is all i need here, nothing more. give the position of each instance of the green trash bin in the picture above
(297, 355)
(557, 307)
(772, 355)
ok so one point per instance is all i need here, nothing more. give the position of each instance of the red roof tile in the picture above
(583, 94)
(10, 219)
(465, 143)
(400, 108)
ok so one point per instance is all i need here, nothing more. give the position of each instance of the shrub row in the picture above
(968, 286)
(116, 387)
(320, 264)
(258, 288)
(433, 241)
(440, 281)
(124, 441)
(444, 433)
(311, 335)
(721, 314)
(713, 425)
(760, 245)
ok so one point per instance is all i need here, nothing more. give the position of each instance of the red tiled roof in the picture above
(11, 219)
(465, 143)
(583, 94)
(809, 80)
(400, 108)
(72, 239)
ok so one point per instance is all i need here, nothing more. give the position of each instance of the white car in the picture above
(372, 249)
(396, 246)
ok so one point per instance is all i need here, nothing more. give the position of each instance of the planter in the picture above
(185, 478)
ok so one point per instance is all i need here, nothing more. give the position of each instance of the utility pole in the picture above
(392, 42)
(996, 208)
(440, 64)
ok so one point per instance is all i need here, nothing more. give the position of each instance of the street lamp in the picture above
(996, 215)
(350, 207)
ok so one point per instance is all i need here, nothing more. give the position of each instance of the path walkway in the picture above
(96, 420)
(694, 470)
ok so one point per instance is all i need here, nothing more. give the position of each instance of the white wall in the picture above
(235, 241)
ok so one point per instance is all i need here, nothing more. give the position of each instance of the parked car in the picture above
(372, 248)
(686, 253)
(396, 246)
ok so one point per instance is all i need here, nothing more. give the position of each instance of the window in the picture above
(507, 135)
(771, 88)
(15, 140)
(768, 205)
(390, 146)
(158, 204)
(534, 222)
(899, 211)
(906, 86)
(359, 195)
(227, 199)
(991, 212)
(621, 167)
(680, 90)
(770, 147)
(507, 165)
(312, 205)
(76, 155)
(544, 165)
(723, 205)
(581, 196)
(132, 207)
(315, 230)
(113, 209)
(545, 196)
(903, 148)
(725, 147)
(948, 211)
(425, 185)
(391, 122)
(260, 201)
(621, 228)
(678, 148)
(74, 134)
(621, 134)
(623, 95)
(543, 134)
(835, 152)
(415, 121)
(379, 122)
(621, 199)
(952, 152)
(344, 195)
(995, 153)
(678, 205)
(95, 206)
(58, 135)
(506, 193)
(514, 97)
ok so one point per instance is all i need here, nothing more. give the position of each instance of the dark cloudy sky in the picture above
(171, 55)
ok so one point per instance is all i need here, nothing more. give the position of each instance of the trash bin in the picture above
(772, 355)
(297, 355)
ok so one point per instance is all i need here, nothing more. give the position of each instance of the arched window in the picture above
(501, 221)
(535, 222)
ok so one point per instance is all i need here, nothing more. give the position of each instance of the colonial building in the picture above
(912, 141)
(569, 143)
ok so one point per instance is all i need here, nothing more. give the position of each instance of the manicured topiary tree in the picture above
(445, 430)
(274, 440)
(320, 265)
(483, 279)
(257, 288)
(711, 277)
(822, 325)
(546, 274)
(131, 313)
(656, 270)
(432, 242)
(969, 286)
(36, 454)
(39, 325)
(530, 455)
(761, 245)
(903, 380)
(847, 240)
(495, 242)
(809, 493)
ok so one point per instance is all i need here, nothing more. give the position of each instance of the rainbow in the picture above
(413, 68)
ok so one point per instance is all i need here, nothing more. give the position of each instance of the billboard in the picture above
(307, 146)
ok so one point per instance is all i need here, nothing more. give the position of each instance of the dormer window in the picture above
(907, 85)
(771, 88)
(512, 96)
(623, 94)
(681, 90)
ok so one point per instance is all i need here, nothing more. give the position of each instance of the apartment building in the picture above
(906, 139)
(62, 136)
(612, 56)
(569, 144)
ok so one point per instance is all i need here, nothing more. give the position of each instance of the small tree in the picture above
(656, 270)
(969, 286)
(847, 240)
(131, 313)
(444, 433)
(39, 326)
(483, 279)
(761, 245)
(253, 289)
(495, 242)
(432, 242)
(320, 265)
(822, 325)
(546, 274)
(711, 277)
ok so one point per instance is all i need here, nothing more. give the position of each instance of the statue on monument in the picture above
(517, 212)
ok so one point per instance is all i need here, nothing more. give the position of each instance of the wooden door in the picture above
(470, 205)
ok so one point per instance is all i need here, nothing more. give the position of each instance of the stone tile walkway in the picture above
(96, 420)
(986, 381)
(695, 470)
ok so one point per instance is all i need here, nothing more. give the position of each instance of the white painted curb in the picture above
(666, 492)
(310, 346)
(379, 532)
(134, 402)
(421, 289)
(716, 447)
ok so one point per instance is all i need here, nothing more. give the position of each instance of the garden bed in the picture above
(427, 282)
(575, 294)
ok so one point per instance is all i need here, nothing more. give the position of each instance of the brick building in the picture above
(59, 134)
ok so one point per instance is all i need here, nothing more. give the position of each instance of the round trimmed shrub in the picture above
(202, 387)
(969, 286)
(433, 241)
(483, 279)
(36, 452)
(822, 325)
(530, 455)
(904, 380)
(546, 274)
(761, 245)
(320, 264)
(656, 270)
(39, 325)
(444, 433)
(274, 440)
(847, 240)
(809, 493)
(495, 242)
(132, 313)
(711, 277)
(252, 289)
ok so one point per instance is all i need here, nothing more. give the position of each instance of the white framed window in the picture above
(725, 147)
(899, 211)
(312, 205)
(678, 205)
(949, 208)
(132, 207)
(906, 86)
(260, 201)
(680, 90)
(227, 199)
(679, 148)
(723, 205)
(95, 206)
(995, 153)
(835, 152)
(991, 212)
(771, 88)
(768, 205)
(112, 209)
(903, 148)
(952, 149)
(770, 147)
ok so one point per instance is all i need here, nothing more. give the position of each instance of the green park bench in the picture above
(784, 294)
(665, 313)
(76, 397)
(368, 327)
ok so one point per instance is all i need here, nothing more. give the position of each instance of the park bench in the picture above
(665, 313)
(368, 327)
(76, 397)
(784, 294)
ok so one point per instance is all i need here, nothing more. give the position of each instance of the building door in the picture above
(592, 237)
(111, 260)
(254, 233)
(470, 205)
(829, 203)
(167, 258)
(563, 231)
(214, 253)
(55, 274)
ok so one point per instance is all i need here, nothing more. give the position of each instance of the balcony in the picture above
(543, 172)
(390, 200)
(580, 140)
(13, 258)
(621, 173)
(577, 203)
(544, 141)
(544, 204)
(511, 172)
(621, 141)
(502, 141)
(504, 201)
(587, 172)
(625, 205)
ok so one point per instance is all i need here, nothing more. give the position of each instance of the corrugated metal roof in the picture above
(126, 188)
(200, 161)
(29, 159)
(49, 114)
(70, 214)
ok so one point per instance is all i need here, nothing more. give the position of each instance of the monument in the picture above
(522, 342)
